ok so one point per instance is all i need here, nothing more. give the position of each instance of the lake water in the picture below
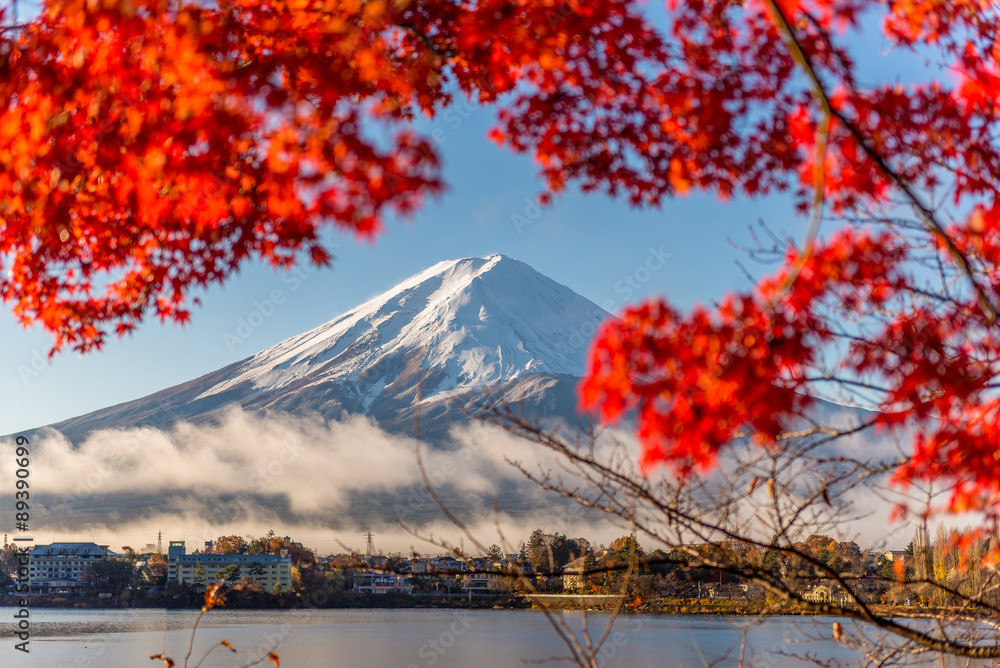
(404, 638)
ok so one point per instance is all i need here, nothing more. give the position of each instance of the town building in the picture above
(476, 582)
(63, 568)
(447, 564)
(373, 582)
(896, 555)
(264, 569)
(574, 574)
(828, 593)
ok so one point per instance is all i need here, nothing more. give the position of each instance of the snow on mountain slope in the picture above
(471, 325)
(475, 322)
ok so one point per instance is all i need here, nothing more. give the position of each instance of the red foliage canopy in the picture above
(904, 314)
(149, 146)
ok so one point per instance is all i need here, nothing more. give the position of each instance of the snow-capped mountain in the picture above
(464, 326)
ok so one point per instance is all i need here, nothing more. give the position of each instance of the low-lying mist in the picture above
(313, 479)
(325, 483)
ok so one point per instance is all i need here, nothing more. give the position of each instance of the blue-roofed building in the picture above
(271, 569)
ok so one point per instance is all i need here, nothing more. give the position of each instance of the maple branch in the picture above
(14, 26)
(566, 635)
(819, 196)
(428, 42)
(930, 221)
(194, 630)
(579, 655)
(709, 524)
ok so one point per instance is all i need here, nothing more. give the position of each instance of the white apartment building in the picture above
(63, 568)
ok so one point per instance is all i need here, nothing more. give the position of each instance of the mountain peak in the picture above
(471, 324)
(477, 321)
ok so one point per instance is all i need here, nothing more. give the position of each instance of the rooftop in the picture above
(71, 548)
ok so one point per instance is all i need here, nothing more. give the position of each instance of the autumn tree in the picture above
(625, 546)
(158, 569)
(268, 544)
(895, 308)
(763, 521)
(148, 148)
(300, 554)
(229, 545)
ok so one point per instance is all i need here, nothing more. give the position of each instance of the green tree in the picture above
(199, 573)
(550, 552)
(773, 560)
(335, 580)
(833, 559)
(112, 575)
(228, 574)
(256, 572)
(395, 563)
(8, 563)
(621, 551)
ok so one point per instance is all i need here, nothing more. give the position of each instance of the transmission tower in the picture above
(159, 542)
(369, 548)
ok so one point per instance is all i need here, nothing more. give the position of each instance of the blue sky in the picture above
(595, 245)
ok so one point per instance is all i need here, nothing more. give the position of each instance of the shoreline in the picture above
(346, 601)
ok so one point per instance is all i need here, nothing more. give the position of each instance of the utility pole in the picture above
(370, 548)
